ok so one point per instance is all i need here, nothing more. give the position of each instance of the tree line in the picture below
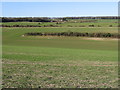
(26, 19)
(48, 19)
(16, 25)
(75, 34)
(97, 17)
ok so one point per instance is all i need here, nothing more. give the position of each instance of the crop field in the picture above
(59, 62)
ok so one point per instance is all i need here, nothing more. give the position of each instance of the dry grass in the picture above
(101, 39)
(77, 74)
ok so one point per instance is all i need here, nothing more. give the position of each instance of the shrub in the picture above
(75, 34)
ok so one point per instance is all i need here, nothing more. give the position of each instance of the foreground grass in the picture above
(54, 67)
(56, 75)
(49, 62)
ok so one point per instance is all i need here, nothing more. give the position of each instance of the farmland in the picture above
(60, 62)
(68, 23)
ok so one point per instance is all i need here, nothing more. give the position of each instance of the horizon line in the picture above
(60, 16)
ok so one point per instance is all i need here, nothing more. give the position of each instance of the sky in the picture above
(60, 0)
(58, 9)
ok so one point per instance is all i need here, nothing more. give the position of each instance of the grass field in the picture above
(54, 62)
(70, 23)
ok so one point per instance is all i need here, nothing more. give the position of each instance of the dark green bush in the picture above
(75, 34)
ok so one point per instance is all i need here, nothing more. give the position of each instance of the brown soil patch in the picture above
(100, 39)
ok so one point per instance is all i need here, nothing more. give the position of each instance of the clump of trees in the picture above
(75, 34)
(91, 25)
(27, 19)
(16, 25)
(110, 25)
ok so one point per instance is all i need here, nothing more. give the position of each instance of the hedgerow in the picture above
(75, 34)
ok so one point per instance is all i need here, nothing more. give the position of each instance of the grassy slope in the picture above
(57, 62)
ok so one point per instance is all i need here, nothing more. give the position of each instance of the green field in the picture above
(69, 23)
(59, 62)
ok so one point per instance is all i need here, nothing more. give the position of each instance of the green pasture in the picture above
(58, 62)
(70, 23)
(62, 29)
